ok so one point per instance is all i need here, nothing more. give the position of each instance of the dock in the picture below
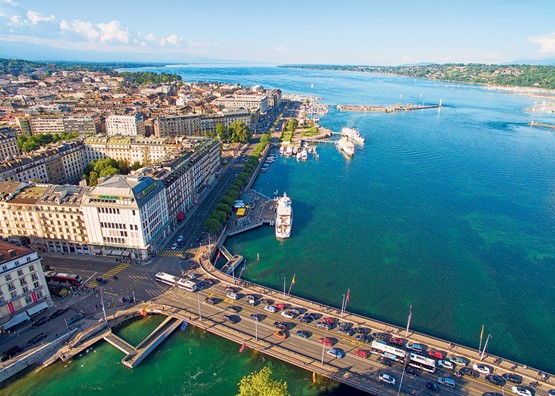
(541, 125)
(386, 109)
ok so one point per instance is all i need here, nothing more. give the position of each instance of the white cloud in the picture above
(17, 20)
(172, 39)
(150, 37)
(546, 43)
(35, 17)
(113, 31)
(83, 28)
(10, 2)
(281, 49)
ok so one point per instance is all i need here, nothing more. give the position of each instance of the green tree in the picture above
(291, 124)
(219, 215)
(222, 132)
(136, 165)
(93, 179)
(227, 200)
(260, 384)
(223, 208)
(212, 225)
(239, 132)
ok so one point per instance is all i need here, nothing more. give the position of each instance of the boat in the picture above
(284, 217)
(281, 149)
(295, 150)
(304, 155)
(289, 151)
(345, 145)
(299, 156)
(352, 134)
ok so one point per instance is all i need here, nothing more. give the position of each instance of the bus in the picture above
(422, 363)
(187, 285)
(166, 278)
(379, 347)
(59, 277)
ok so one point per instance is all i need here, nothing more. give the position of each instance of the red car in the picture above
(328, 320)
(280, 306)
(396, 341)
(436, 354)
(326, 341)
(361, 353)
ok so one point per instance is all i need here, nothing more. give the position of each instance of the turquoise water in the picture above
(453, 213)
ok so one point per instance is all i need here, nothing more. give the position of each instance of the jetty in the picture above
(386, 109)
(541, 125)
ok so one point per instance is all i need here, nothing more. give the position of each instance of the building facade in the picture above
(249, 102)
(8, 144)
(123, 125)
(23, 288)
(82, 124)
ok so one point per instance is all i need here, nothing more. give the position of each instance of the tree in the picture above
(136, 165)
(291, 125)
(93, 179)
(223, 208)
(260, 384)
(227, 200)
(212, 225)
(221, 132)
(219, 215)
(239, 132)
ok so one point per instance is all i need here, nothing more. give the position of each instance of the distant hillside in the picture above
(536, 76)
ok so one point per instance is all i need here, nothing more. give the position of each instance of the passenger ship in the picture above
(284, 217)
(352, 134)
(345, 145)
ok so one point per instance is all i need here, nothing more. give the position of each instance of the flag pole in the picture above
(408, 321)
(291, 285)
(481, 336)
(343, 305)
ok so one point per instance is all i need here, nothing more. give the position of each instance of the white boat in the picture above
(304, 155)
(289, 151)
(284, 217)
(295, 150)
(281, 149)
(352, 134)
(345, 145)
(298, 156)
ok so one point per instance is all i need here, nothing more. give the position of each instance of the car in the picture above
(385, 361)
(381, 336)
(432, 386)
(49, 268)
(459, 360)
(361, 330)
(57, 313)
(482, 368)
(496, 380)
(338, 353)
(74, 319)
(270, 308)
(446, 364)
(255, 317)
(40, 322)
(492, 394)
(101, 280)
(412, 371)
(209, 282)
(267, 301)
(326, 341)
(449, 382)
(344, 325)
(210, 301)
(233, 308)
(280, 334)
(387, 378)
(347, 332)
(396, 341)
(328, 320)
(290, 313)
(252, 302)
(174, 246)
(192, 276)
(303, 333)
(468, 371)
(306, 318)
(323, 325)
(362, 353)
(11, 352)
(414, 347)
(514, 378)
(180, 238)
(551, 392)
(231, 289)
(521, 391)
(436, 354)
(362, 338)
(280, 306)
(231, 318)
(251, 297)
(232, 296)
(281, 325)
(37, 338)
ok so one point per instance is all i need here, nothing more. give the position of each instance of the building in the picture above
(132, 125)
(8, 144)
(248, 102)
(227, 118)
(23, 288)
(126, 216)
(185, 125)
(82, 124)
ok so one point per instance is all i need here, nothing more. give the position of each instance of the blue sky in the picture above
(337, 32)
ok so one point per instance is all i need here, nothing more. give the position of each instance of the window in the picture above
(28, 300)
(25, 289)
(20, 273)
(13, 295)
(36, 285)
(34, 277)
(11, 287)
(39, 294)
(8, 277)
(31, 268)
(22, 282)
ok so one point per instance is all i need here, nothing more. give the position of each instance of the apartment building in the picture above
(8, 144)
(249, 102)
(125, 125)
(82, 124)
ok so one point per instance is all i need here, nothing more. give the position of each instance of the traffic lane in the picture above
(266, 329)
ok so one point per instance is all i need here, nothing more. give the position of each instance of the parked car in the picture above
(323, 325)
(338, 353)
(192, 276)
(267, 301)
(280, 306)
(412, 371)
(328, 320)
(347, 332)
(37, 338)
(396, 341)
(449, 382)
(381, 336)
(303, 333)
(387, 378)
(468, 371)
(270, 308)
(385, 361)
(233, 309)
(362, 353)
(496, 380)
(231, 289)
(362, 338)
(459, 360)
(255, 317)
(57, 313)
(446, 364)
(232, 296)
(521, 391)
(101, 280)
(514, 378)
(40, 322)
(210, 301)
(180, 238)
(252, 302)
(281, 325)
(326, 341)
(482, 368)
(432, 386)
(414, 347)
(174, 246)
(11, 352)
(280, 334)
(436, 354)
(231, 318)
(362, 330)
(74, 319)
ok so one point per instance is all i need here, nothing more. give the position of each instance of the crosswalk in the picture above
(140, 277)
(175, 253)
(112, 272)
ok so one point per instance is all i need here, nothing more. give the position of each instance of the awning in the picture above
(116, 252)
(17, 319)
(37, 308)
(180, 215)
(124, 253)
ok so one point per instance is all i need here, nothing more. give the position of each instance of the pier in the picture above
(386, 109)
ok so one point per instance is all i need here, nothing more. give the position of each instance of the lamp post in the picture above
(324, 346)
(402, 376)
(283, 277)
(256, 330)
(408, 322)
(199, 314)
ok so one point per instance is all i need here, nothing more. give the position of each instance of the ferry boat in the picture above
(284, 217)
(345, 145)
(352, 134)
(289, 151)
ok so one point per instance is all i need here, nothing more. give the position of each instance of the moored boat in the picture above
(352, 134)
(346, 146)
(284, 217)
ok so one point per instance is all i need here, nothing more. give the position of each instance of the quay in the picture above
(541, 125)
(386, 109)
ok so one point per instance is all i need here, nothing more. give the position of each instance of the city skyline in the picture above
(358, 32)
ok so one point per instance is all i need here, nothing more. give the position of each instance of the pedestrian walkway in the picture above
(112, 272)
(171, 253)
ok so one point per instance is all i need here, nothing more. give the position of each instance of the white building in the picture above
(123, 125)
(249, 102)
(127, 216)
(23, 289)
(8, 144)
